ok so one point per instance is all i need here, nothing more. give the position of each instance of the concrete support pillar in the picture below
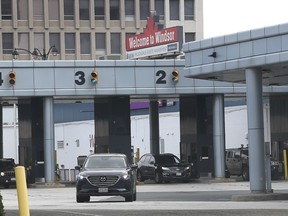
(154, 127)
(255, 130)
(112, 125)
(49, 146)
(219, 136)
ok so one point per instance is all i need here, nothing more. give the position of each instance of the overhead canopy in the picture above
(225, 58)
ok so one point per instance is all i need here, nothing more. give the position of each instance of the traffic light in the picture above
(94, 77)
(175, 75)
(12, 78)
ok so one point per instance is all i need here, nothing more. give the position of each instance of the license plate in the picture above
(178, 174)
(103, 190)
(13, 179)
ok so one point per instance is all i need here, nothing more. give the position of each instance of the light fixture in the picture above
(36, 52)
(214, 55)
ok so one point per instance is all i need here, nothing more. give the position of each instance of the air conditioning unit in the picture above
(110, 57)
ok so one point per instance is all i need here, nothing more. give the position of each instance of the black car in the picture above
(163, 167)
(106, 175)
(7, 172)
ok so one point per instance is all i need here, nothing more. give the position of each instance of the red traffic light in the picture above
(12, 77)
(94, 77)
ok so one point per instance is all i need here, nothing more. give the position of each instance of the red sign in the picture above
(153, 37)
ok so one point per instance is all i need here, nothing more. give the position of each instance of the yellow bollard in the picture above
(285, 163)
(22, 191)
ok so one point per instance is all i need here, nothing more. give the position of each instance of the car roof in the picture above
(107, 154)
(162, 154)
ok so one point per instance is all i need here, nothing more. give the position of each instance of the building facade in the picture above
(89, 29)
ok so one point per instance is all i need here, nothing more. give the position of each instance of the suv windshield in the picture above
(167, 159)
(7, 165)
(105, 162)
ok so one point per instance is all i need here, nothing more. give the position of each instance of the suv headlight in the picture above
(165, 168)
(2, 174)
(187, 168)
(126, 175)
(80, 176)
(274, 163)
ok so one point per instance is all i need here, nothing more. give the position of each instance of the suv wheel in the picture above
(245, 174)
(81, 198)
(139, 176)
(129, 198)
(158, 178)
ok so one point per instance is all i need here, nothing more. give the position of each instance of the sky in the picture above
(223, 17)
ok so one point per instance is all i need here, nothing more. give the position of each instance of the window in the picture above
(189, 37)
(159, 7)
(115, 43)
(129, 10)
(22, 9)
(99, 9)
(7, 43)
(60, 144)
(54, 39)
(69, 43)
(68, 9)
(174, 9)
(39, 41)
(53, 9)
(144, 9)
(189, 9)
(100, 41)
(6, 9)
(23, 40)
(85, 43)
(84, 10)
(38, 10)
(114, 10)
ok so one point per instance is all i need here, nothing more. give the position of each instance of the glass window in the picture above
(6, 9)
(129, 10)
(23, 40)
(68, 9)
(189, 9)
(39, 41)
(100, 41)
(7, 43)
(174, 10)
(114, 10)
(38, 10)
(22, 9)
(99, 9)
(69, 43)
(115, 43)
(159, 7)
(189, 37)
(53, 9)
(54, 39)
(85, 43)
(144, 9)
(84, 10)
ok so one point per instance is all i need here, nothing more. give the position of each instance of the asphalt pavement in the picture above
(195, 198)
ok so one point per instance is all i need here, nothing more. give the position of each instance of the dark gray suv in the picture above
(106, 175)
(7, 172)
(237, 163)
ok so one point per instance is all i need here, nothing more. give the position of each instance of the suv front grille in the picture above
(9, 173)
(103, 181)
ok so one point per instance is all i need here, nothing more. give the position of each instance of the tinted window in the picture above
(105, 162)
(167, 159)
(6, 166)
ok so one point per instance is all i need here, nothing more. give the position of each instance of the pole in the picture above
(22, 191)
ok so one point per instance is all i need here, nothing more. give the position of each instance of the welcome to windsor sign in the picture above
(154, 42)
